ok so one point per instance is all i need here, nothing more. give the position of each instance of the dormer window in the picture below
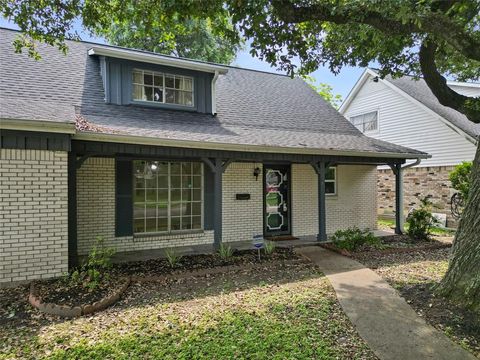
(156, 87)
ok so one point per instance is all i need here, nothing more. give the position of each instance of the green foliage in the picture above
(325, 91)
(353, 238)
(95, 268)
(173, 257)
(225, 252)
(269, 247)
(460, 177)
(421, 221)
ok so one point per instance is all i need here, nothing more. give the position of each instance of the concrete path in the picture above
(382, 318)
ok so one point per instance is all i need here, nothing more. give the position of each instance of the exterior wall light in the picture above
(256, 172)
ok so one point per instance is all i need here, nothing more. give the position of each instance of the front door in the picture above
(277, 199)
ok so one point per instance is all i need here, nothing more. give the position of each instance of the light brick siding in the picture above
(354, 204)
(33, 214)
(242, 218)
(417, 183)
(96, 213)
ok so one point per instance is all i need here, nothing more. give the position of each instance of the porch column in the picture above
(320, 169)
(399, 219)
(72, 210)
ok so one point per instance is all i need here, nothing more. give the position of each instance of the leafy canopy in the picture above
(429, 38)
(460, 177)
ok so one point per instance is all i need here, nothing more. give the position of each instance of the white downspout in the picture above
(214, 93)
(400, 195)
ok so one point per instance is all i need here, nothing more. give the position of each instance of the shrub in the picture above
(460, 178)
(225, 252)
(353, 238)
(95, 268)
(173, 257)
(421, 221)
(269, 247)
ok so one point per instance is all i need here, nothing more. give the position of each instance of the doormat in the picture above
(281, 238)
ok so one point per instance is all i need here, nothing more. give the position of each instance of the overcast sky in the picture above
(341, 83)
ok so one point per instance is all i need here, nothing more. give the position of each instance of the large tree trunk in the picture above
(462, 280)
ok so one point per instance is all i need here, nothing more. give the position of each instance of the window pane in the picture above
(178, 97)
(196, 222)
(139, 196)
(176, 209)
(187, 99)
(139, 211)
(137, 92)
(197, 194)
(187, 195)
(151, 225)
(197, 168)
(197, 208)
(163, 168)
(197, 182)
(187, 84)
(148, 96)
(169, 96)
(186, 223)
(186, 168)
(163, 224)
(162, 210)
(178, 82)
(150, 210)
(148, 78)
(176, 182)
(175, 168)
(176, 195)
(151, 195)
(163, 181)
(163, 196)
(139, 182)
(169, 81)
(139, 225)
(137, 77)
(330, 174)
(175, 223)
(371, 125)
(330, 187)
(158, 80)
(158, 95)
(187, 181)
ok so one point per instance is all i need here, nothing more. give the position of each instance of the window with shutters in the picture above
(168, 196)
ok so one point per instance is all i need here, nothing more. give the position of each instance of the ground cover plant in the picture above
(421, 221)
(352, 239)
(285, 311)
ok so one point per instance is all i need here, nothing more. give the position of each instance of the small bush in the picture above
(269, 247)
(421, 221)
(225, 252)
(353, 238)
(95, 269)
(460, 178)
(173, 257)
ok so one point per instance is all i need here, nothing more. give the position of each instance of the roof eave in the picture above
(37, 126)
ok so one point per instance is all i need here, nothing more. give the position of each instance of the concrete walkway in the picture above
(383, 319)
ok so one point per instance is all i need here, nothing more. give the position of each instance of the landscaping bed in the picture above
(285, 310)
(414, 274)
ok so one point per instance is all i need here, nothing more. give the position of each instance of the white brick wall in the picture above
(96, 213)
(354, 205)
(33, 214)
(242, 218)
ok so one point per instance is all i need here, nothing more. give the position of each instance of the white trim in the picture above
(214, 93)
(361, 113)
(37, 125)
(356, 88)
(156, 59)
(141, 140)
(334, 181)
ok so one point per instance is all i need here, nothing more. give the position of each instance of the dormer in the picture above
(132, 77)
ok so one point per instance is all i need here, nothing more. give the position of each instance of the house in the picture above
(151, 152)
(404, 111)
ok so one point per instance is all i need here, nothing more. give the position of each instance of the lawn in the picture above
(284, 311)
(414, 275)
(388, 224)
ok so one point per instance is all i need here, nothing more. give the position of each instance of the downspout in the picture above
(214, 93)
(400, 193)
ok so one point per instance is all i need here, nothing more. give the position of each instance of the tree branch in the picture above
(438, 84)
(435, 23)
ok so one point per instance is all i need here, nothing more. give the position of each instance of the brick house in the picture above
(405, 112)
(153, 152)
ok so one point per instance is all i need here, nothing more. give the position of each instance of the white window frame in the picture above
(334, 181)
(164, 87)
(169, 215)
(363, 114)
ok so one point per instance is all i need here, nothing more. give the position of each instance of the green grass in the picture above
(437, 231)
(298, 319)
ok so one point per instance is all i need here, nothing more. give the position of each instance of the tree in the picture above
(429, 38)
(325, 91)
(460, 178)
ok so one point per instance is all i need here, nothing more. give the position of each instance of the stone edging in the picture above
(75, 311)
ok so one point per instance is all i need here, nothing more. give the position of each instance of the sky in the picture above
(341, 83)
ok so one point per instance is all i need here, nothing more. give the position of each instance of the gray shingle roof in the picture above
(253, 108)
(419, 90)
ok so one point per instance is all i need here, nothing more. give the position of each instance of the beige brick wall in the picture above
(242, 218)
(96, 213)
(33, 214)
(354, 205)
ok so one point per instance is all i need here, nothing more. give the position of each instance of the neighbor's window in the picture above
(331, 181)
(162, 88)
(167, 196)
(366, 122)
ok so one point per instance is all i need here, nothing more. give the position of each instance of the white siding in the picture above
(466, 90)
(404, 123)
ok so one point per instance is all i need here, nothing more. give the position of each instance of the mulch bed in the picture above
(58, 291)
(195, 262)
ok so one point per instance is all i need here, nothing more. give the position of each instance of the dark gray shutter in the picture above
(208, 186)
(123, 197)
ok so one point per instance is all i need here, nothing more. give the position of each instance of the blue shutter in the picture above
(123, 197)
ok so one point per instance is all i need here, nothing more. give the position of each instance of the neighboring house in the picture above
(405, 112)
(151, 152)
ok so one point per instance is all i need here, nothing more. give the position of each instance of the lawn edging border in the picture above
(76, 311)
